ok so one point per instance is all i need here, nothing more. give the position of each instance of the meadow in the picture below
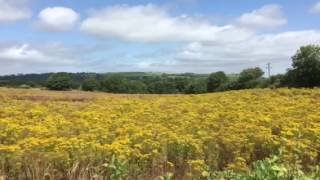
(79, 136)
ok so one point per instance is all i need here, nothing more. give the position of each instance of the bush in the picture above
(90, 84)
(196, 87)
(249, 78)
(275, 81)
(216, 80)
(59, 81)
(114, 84)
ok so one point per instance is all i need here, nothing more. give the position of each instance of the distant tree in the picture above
(306, 67)
(90, 84)
(114, 84)
(275, 81)
(250, 74)
(59, 81)
(181, 83)
(216, 80)
(289, 79)
(163, 86)
(230, 85)
(136, 87)
(248, 78)
(197, 86)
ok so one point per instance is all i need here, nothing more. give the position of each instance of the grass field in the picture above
(78, 135)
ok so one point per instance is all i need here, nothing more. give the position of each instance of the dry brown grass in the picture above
(44, 95)
(66, 96)
(72, 98)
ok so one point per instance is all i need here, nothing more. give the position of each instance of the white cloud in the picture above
(24, 53)
(151, 23)
(315, 8)
(14, 10)
(206, 57)
(57, 19)
(256, 51)
(268, 16)
(50, 57)
(33, 58)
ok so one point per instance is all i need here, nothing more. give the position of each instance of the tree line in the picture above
(305, 72)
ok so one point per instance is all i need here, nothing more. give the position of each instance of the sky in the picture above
(173, 36)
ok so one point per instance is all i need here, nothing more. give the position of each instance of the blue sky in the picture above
(198, 36)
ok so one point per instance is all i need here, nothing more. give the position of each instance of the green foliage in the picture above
(250, 74)
(206, 173)
(196, 87)
(59, 81)
(275, 81)
(273, 169)
(114, 84)
(269, 169)
(289, 79)
(181, 83)
(163, 87)
(216, 80)
(120, 84)
(248, 78)
(135, 87)
(168, 176)
(116, 169)
(90, 84)
(306, 67)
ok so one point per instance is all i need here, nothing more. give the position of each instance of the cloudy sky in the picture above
(153, 36)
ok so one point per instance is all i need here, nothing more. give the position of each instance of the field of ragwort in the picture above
(78, 135)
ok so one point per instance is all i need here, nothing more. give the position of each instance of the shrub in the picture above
(216, 80)
(59, 81)
(90, 84)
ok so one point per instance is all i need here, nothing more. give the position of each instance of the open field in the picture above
(74, 135)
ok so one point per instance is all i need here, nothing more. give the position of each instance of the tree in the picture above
(114, 84)
(250, 74)
(275, 81)
(289, 78)
(197, 86)
(248, 78)
(90, 84)
(59, 81)
(163, 87)
(136, 87)
(216, 80)
(306, 67)
(181, 83)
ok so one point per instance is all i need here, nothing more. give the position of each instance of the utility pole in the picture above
(269, 69)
